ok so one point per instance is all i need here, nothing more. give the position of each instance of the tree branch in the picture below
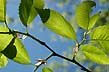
(73, 61)
(53, 52)
(34, 38)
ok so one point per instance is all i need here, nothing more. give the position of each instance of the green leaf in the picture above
(2, 10)
(16, 51)
(95, 54)
(101, 35)
(93, 20)
(105, 46)
(10, 51)
(83, 13)
(22, 55)
(27, 12)
(5, 39)
(3, 60)
(38, 4)
(12, 47)
(56, 23)
(46, 69)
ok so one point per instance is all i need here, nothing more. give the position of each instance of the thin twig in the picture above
(42, 63)
(54, 53)
(34, 38)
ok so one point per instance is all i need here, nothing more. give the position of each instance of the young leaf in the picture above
(105, 46)
(2, 10)
(12, 47)
(5, 39)
(27, 12)
(22, 55)
(83, 13)
(56, 23)
(46, 69)
(101, 35)
(95, 54)
(3, 60)
(93, 20)
(16, 51)
(38, 4)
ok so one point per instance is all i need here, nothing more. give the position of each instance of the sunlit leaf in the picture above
(3, 60)
(10, 51)
(104, 45)
(83, 13)
(101, 35)
(56, 23)
(93, 20)
(38, 4)
(74, 23)
(27, 12)
(95, 54)
(5, 39)
(46, 69)
(12, 47)
(16, 51)
(22, 55)
(2, 10)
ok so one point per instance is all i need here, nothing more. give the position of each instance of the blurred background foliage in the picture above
(67, 9)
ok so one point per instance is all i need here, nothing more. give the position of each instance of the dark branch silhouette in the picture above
(46, 46)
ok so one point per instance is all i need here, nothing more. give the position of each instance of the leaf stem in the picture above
(84, 38)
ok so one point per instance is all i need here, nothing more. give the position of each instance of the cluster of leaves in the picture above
(11, 47)
(97, 34)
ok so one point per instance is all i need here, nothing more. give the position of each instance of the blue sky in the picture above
(34, 49)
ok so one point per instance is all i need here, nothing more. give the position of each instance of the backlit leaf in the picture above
(5, 39)
(93, 20)
(56, 23)
(46, 69)
(16, 51)
(12, 47)
(27, 12)
(104, 45)
(101, 35)
(3, 60)
(2, 10)
(10, 51)
(83, 13)
(38, 4)
(95, 54)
